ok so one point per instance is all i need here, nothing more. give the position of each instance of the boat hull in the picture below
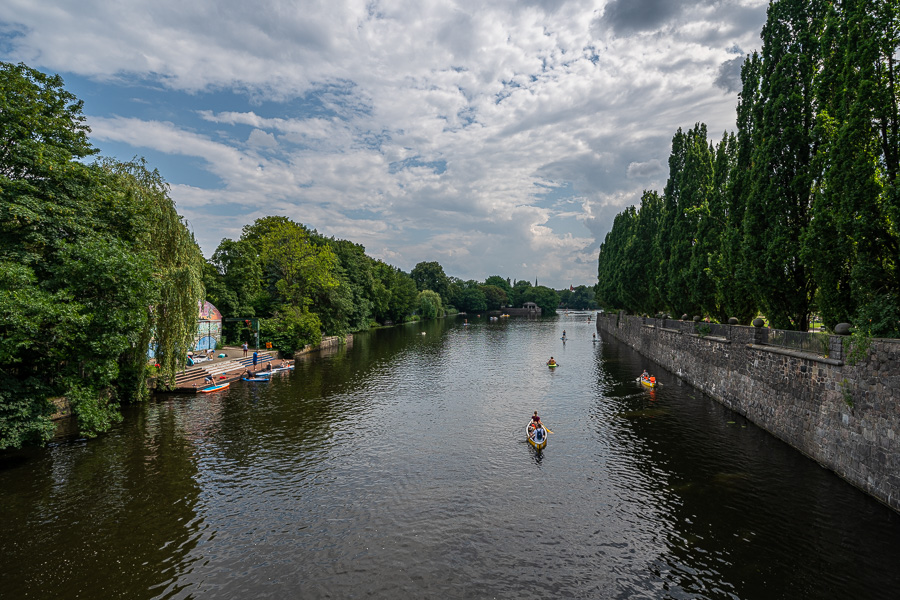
(540, 442)
(213, 388)
(648, 383)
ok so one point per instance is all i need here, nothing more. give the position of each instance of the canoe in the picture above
(213, 388)
(553, 366)
(540, 438)
(651, 382)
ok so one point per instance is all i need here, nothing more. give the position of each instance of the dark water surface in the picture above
(398, 468)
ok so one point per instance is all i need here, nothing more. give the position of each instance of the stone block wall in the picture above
(845, 416)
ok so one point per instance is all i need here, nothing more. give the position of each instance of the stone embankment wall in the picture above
(327, 342)
(845, 416)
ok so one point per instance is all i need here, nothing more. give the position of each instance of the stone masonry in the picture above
(845, 416)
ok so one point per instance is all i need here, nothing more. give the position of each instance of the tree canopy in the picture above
(94, 264)
(797, 211)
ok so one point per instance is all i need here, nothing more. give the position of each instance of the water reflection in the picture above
(398, 467)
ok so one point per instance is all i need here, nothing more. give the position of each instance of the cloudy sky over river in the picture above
(493, 137)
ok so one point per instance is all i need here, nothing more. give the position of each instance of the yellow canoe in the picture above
(537, 439)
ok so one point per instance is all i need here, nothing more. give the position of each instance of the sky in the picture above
(496, 138)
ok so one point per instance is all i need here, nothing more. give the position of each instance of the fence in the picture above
(802, 341)
(816, 343)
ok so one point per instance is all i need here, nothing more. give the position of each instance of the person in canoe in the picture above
(645, 375)
(535, 419)
(551, 362)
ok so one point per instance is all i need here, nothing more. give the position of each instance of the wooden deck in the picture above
(226, 370)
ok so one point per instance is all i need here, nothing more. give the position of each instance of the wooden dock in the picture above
(221, 371)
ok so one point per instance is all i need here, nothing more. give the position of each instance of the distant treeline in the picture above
(301, 285)
(798, 211)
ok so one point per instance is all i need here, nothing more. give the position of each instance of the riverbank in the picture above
(844, 416)
(225, 369)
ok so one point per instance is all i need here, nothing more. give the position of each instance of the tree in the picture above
(518, 292)
(582, 298)
(851, 244)
(544, 297)
(472, 300)
(94, 261)
(428, 304)
(778, 208)
(682, 278)
(236, 290)
(431, 276)
(400, 294)
(499, 282)
(494, 296)
(298, 268)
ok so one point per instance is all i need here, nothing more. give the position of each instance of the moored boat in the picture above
(213, 388)
(538, 439)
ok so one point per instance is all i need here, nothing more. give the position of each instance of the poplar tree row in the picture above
(798, 211)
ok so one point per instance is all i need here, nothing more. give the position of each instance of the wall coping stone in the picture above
(712, 338)
(797, 354)
(678, 331)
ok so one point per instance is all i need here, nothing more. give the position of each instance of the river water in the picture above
(398, 467)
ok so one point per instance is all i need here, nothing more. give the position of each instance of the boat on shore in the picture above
(538, 438)
(213, 388)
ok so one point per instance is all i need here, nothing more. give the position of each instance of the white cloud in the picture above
(425, 130)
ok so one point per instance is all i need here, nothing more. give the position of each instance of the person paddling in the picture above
(551, 362)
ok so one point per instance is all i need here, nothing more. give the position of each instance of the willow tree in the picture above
(177, 273)
(85, 252)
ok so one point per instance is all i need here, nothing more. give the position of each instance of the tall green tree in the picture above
(297, 266)
(778, 209)
(734, 289)
(431, 276)
(683, 280)
(851, 245)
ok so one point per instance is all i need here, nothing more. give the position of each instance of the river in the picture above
(397, 467)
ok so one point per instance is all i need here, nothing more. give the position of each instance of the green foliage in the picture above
(494, 296)
(93, 259)
(431, 276)
(297, 269)
(800, 209)
(291, 328)
(544, 297)
(497, 281)
(471, 300)
(519, 293)
(428, 305)
(846, 394)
